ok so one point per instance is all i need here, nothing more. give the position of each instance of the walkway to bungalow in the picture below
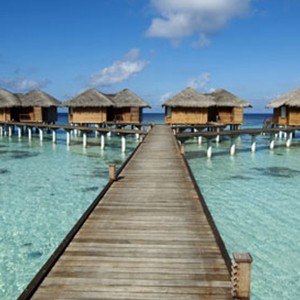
(148, 238)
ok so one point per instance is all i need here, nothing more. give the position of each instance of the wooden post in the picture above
(253, 144)
(112, 172)
(68, 137)
(232, 146)
(241, 275)
(53, 136)
(84, 140)
(209, 148)
(289, 139)
(41, 134)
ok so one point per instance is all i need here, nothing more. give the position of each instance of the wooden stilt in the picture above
(209, 148)
(102, 141)
(272, 141)
(41, 134)
(84, 139)
(232, 146)
(289, 139)
(29, 129)
(19, 132)
(9, 131)
(68, 137)
(123, 143)
(253, 144)
(54, 136)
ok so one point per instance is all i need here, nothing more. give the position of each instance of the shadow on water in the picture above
(240, 177)
(278, 172)
(4, 171)
(19, 154)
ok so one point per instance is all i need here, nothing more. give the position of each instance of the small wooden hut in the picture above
(286, 109)
(9, 106)
(90, 107)
(38, 107)
(127, 107)
(189, 107)
(229, 108)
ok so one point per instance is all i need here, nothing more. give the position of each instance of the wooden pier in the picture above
(149, 236)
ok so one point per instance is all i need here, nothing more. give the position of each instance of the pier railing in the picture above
(214, 133)
(104, 129)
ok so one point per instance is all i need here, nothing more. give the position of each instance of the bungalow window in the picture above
(168, 111)
(283, 112)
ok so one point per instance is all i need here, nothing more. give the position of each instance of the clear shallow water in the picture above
(44, 189)
(254, 199)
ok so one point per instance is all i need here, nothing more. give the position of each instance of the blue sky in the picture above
(156, 48)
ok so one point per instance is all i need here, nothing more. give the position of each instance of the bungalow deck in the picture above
(149, 236)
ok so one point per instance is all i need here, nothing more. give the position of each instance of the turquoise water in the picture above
(45, 188)
(254, 199)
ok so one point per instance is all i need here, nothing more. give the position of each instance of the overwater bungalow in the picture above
(127, 107)
(286, 109)
(37, 107)
(9, 105)
(189, 107)
(229, 108)
(90, 107)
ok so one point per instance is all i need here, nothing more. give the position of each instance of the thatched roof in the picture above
(89, 98)
(190, 98)
(38, 98)
(8, 99)
(126, 98)
(291, 99)
(223, 98)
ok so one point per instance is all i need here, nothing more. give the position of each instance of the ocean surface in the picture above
(254, 199)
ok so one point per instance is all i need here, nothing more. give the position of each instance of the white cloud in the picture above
(165, 97)
(200, 82)
(180, 18)
(120, 70)
(22, 84)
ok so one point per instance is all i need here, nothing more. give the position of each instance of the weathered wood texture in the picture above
(187, 115)
(231, 115)
(5, 114)
(87, 115)
(147, 239)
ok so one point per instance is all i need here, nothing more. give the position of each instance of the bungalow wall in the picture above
(5, 114)
(87, 115)
(38, 114)
(280, 116)
(186, 115)
(231, 115)
(125, 114)
(293, 116)
(286, 116)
